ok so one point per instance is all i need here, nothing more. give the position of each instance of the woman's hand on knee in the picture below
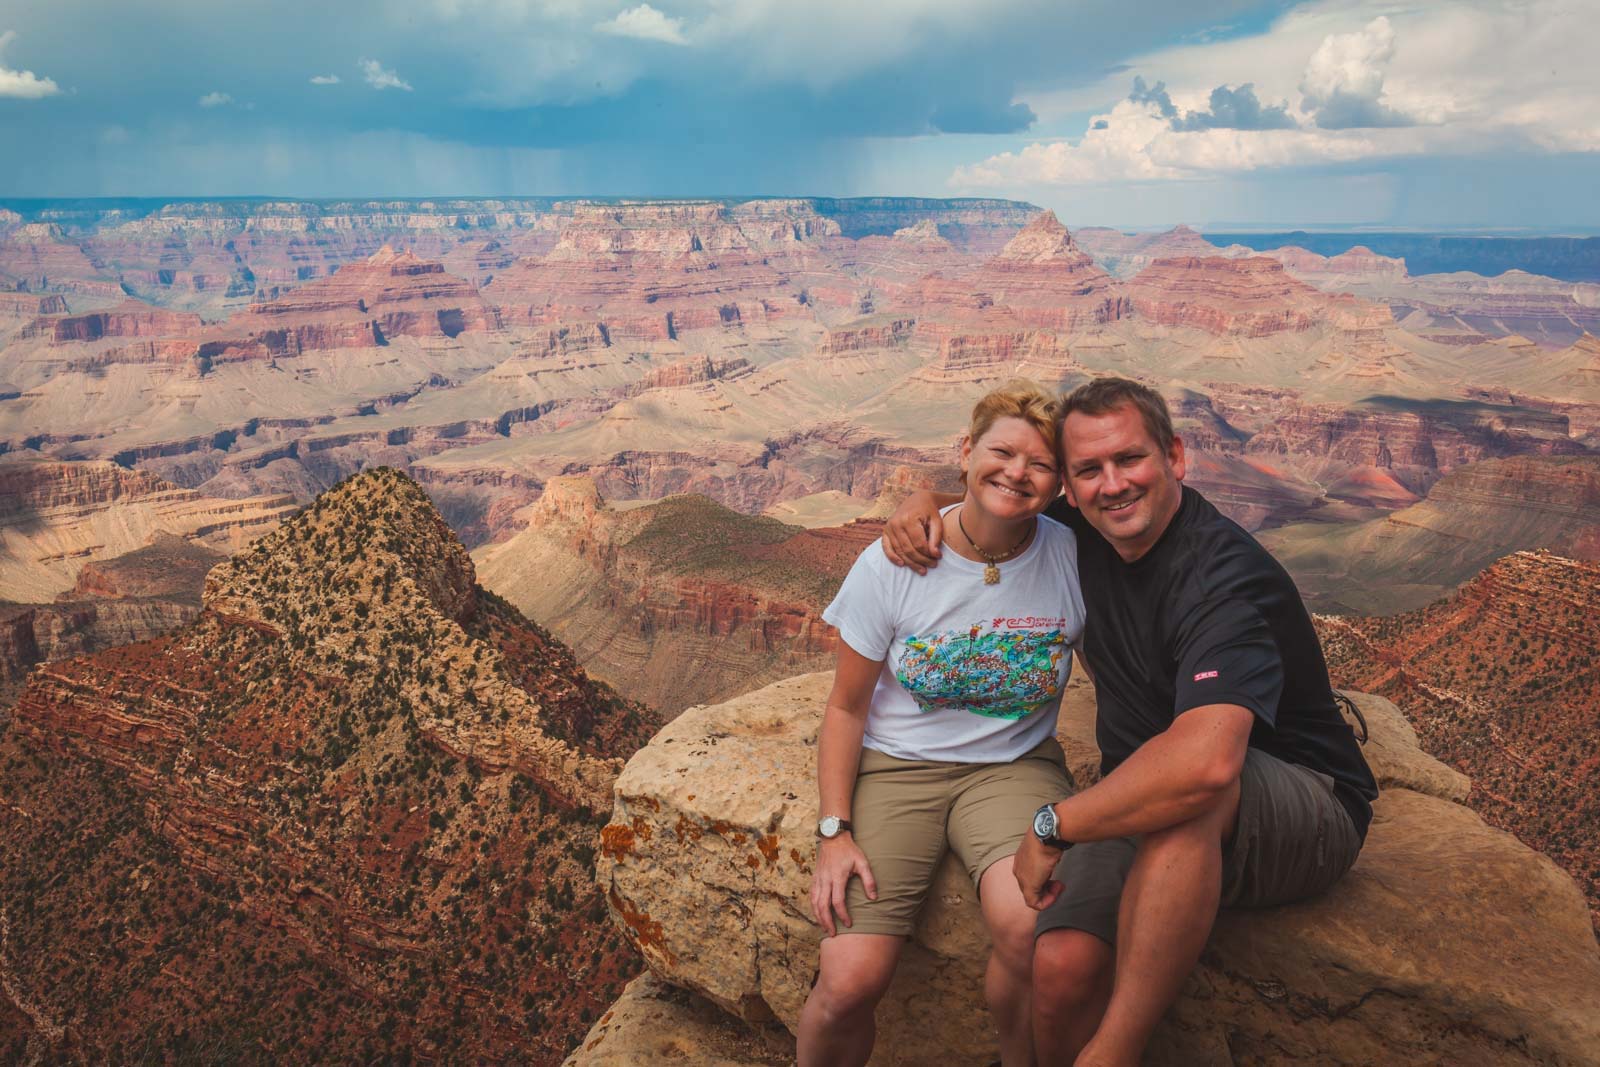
(838, 860)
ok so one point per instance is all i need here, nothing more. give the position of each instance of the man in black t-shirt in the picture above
(1228, 775)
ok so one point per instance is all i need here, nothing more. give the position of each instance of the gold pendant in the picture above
(991, 575)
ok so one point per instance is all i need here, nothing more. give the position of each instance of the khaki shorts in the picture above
(1292, 839)
(906, 813)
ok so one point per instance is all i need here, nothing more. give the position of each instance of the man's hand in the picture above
(914, 533)
(1034, 866)
(838, 858)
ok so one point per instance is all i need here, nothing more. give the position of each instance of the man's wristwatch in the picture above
(831, 826)
(1044, 828)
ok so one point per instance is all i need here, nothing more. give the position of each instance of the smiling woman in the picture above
(940, 731)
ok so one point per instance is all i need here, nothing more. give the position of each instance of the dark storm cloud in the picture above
(1236, 109)
(1232, 108)
(1143, 94)
(1350, 111)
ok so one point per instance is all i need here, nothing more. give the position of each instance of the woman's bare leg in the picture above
(1008, 983)
(836, 1025)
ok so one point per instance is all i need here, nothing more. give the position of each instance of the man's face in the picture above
(1120, 479)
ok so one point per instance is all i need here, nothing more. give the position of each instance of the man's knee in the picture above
(1071, 968)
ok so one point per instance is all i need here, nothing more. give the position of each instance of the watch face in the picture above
(1044, 823)
(829, 827)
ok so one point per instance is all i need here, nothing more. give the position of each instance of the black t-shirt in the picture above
(1207, 616)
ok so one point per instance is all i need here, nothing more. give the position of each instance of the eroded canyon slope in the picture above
(94, 555)
(345, 814)
(678, 602)
(1469, 518)
(1500, 681)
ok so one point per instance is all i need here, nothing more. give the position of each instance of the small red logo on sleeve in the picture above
(1203, 675)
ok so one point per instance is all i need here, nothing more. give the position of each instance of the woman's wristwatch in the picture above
(1044, 828)
(831, 826)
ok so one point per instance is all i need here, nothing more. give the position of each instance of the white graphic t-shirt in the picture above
(972, 673)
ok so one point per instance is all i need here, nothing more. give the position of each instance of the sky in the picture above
(1136, 113)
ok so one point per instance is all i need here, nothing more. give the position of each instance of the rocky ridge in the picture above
(649, 271)
(346, 814)
(1500, 679)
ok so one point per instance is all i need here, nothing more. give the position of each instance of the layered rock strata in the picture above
(651, 271)
(978, 357)
(1358, 264)
(56, 518)
(1126, 254)
(39, 256)
(1248, 297)
(707, 863)
(132, 597)
(1040, 280)
(128, 319)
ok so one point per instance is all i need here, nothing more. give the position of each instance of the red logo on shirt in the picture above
(1203, 675)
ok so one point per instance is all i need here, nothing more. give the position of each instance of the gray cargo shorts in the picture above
(1293, 839)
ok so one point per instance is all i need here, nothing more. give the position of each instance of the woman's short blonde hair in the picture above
(1017, 399)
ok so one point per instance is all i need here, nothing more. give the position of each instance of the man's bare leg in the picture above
(1071, 985)
(1169, 905)
(1008, 982)
(837, 1025)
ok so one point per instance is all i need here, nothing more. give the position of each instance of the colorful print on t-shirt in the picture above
(1003, 674)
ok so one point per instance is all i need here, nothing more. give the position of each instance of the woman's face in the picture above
(1011, 470)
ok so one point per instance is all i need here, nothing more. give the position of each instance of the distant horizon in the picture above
(1221, 228)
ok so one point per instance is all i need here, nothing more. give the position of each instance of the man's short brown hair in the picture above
(1105, 395)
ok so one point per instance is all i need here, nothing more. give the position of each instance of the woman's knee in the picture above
(1070, 966)
(1011, 936)
(855, 985)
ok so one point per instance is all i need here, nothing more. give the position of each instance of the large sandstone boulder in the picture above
(655, 1021)
(1449, 942)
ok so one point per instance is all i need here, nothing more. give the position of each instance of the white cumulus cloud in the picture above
(379, 78)
(215, 99)
(645, 23)
(1343, 82)
(1365, 79)
(1136, 142)
(23, 84)
(324, 79)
